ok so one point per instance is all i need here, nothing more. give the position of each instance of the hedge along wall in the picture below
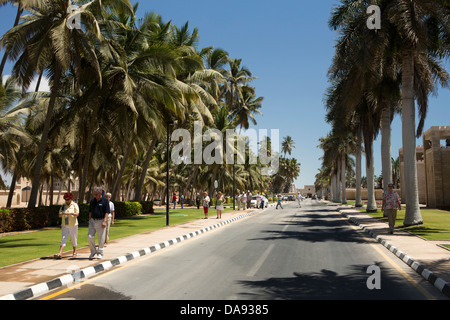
(20, 219)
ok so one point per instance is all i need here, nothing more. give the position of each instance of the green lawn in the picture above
(36, 244)
(436, 223)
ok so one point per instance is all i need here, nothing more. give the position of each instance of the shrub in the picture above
(147, 207)
(6, 220)
(132, 208)
(19, 219)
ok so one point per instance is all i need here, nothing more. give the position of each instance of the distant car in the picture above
(314, 197)
(156, 202)
(253, 202)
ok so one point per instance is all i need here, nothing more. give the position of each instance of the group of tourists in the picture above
(244, 199)
(206, 203)
(101, 217)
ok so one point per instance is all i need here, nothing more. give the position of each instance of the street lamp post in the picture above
(167, 173)
(234, 190)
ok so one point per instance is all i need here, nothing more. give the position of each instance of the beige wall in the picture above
(437, 167)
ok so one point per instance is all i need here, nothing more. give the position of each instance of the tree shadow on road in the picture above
(327, 285)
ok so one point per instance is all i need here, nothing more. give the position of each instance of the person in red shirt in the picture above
(174, 200)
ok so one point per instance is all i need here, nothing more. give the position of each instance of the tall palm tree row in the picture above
(117, 84)
(377, 73)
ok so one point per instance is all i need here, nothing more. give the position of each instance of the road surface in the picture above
(306, 253)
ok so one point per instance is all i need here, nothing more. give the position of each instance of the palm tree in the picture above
(423, 29)
(237, 77)
(414, 34)
(287, 144)
(44, 42)
(11, 135)
(245, 110)
(21, 5)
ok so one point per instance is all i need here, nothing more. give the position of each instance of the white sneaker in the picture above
(99, 256)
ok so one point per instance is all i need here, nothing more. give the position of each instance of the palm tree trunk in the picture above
(333, 187)
(43, 144)
(358, 201)
(386, 162)
(370, 173)
(87, 156)
(338, 181)
(412, 214)
(12, 188)
(148, 158)
(343, 180)
(123, 164)
(130, 182)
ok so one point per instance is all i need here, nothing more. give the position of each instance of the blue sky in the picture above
(289, 47)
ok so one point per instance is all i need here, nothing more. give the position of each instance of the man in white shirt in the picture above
(258, 200)
(299, 199)
(111, 217)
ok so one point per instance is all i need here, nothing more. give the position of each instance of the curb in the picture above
(74, 278)
(428, 275)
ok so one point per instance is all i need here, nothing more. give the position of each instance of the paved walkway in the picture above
(30, 279)
(427, 258)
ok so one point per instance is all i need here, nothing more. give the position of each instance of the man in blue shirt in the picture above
(98, 217)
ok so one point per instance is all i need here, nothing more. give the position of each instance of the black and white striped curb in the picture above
(437, 282)
(75, 277)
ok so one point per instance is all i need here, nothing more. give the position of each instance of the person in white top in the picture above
(205, 201)
(299, 199)
(110, 216)
(258, 200)
(68, 212)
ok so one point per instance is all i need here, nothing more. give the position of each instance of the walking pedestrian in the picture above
(197, 201)
(279, 203)
(244, 200)
(391, 202)
(181, 200)
(111, 216)
(220, 199)
(98, 217)
(174, 198)
(68, 212)
(205, 201)
(249, 199)
(299, 200)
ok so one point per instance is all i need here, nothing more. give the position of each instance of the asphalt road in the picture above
(306, 253)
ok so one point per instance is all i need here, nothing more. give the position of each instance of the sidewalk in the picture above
(425, 257)
(32, 278)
